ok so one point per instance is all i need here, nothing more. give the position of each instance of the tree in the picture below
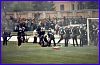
(92, 5)
(29, 6)
(43, 6)
(22, 6)
(88, 5)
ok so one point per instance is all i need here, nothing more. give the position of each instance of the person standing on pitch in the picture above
(67, 36)
(23, 34)
(19, 34)
(5, 34)
(61, 32)
(46, 43)
(41, 37)
(74, 37)
(82, 36)
(51, 37)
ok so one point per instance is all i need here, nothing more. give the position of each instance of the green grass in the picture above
(33, 53)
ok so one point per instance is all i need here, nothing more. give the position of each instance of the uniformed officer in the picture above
(41, 37)
(74, 37)
(51, 37)
(19, 34)
(61, 32)
(23, 34)
(67, 36)
(5, 35)
(46, 43)
(82, 32)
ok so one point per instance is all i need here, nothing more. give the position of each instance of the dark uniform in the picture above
(39, 32)
(83, 36)
(67, 36)
(35, 39)
(46, 43)
(82, 32)
(74, 37)
(62, 32)
(5, 35)
(51, 37)
(41, 37)
(20, 38)
(23, 34)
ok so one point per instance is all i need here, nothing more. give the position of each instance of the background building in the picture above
(68, 9)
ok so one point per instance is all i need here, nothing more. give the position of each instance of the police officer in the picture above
(39, 32)
(41, 37)
(61, 32)
(23, 34)
(5, 35)
(46, 43)
(51, 37)
(19, 34)
(74, 37)
(82, 36)
(67, 36)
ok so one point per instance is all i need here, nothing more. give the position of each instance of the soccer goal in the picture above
(92, 31)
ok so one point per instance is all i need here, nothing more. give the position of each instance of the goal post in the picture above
(88, 34)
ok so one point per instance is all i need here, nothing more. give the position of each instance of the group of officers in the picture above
(45, 37)
(73, 32)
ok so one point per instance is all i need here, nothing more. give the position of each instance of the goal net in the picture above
(92, 31)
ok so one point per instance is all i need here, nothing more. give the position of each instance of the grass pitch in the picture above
(30, 53)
